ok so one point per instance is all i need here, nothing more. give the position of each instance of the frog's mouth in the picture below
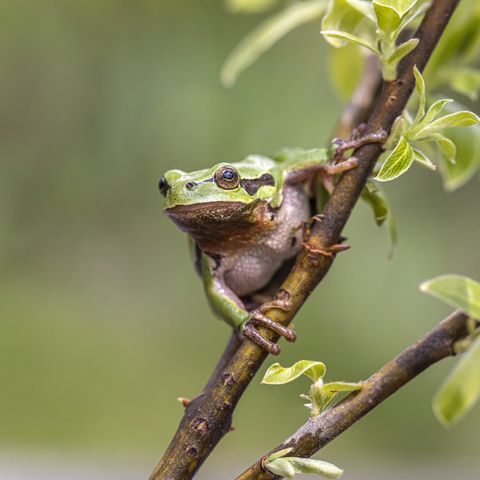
(205, 216)
(219, 222)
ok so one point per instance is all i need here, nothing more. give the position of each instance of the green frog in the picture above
(246, 222)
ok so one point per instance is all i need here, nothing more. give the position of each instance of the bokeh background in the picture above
(103, 321)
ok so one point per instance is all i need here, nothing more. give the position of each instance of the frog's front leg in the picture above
(230, 308)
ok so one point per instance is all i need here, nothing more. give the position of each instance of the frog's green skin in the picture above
(243, 235)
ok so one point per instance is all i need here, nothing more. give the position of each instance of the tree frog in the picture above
(246, 220)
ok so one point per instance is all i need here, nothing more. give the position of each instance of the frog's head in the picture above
(214, 200)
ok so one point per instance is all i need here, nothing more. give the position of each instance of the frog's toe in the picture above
(262, 320)
(250, 332)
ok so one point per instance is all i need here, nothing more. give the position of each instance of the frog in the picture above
(246, 221)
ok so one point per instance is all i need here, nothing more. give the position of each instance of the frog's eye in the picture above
(227, 177)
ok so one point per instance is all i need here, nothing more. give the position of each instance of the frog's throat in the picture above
(223, 226)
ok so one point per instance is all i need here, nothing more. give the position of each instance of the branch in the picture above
(208, 417)
(321, 430)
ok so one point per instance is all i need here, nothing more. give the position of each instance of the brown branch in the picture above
(208, 417)
(321, 430)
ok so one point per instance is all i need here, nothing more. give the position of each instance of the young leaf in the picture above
(278, 454)
(456, 290)
(266, 35)
(466, 81)
(391, 12)
(401, 51)
(398, 162)
(278, 375)
(375, 199)
(457, 119)
(345, 16)
(282, 467)
(249, 6)
(467, 141)
(423, 159)
(461, 389)
(447, 147)
(289, 466)
(345, 37)
(420, 89)
(310, 465)
(434, 110)
(346, 66)
(322, 396)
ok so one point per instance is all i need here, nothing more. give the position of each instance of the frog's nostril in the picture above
(189, 185)
(164, 186)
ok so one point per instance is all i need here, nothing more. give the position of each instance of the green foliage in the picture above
(409, 137)
(375, 26)
(321, 395)
(266, 35)
(278, 375)
(456, 290)
(288, 467)
(249, 6)
(461, 389)
(377, 200)
(455, 61)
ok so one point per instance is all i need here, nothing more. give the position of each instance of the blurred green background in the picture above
(103, 320)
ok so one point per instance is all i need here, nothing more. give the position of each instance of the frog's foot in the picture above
(336, 166)
(330, 251)
(358, 139)
(259, 319)
(282, 301)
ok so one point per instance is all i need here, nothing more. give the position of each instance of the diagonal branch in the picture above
(208, 417)
(321, 430)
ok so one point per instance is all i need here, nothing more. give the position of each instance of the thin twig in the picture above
(209, 416)
(321, 430)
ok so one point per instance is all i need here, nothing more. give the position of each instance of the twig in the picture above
(208, 417)
(321, 430)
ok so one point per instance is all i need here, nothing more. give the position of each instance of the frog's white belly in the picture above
(254, 268)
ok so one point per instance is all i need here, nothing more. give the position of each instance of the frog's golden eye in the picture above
(227, 177)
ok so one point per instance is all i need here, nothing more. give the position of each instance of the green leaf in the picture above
(346, 16)
(345, 37)
(332, 36)
(467, 142)
(289, 466)
(457, 119)
(461, 389)
(310, 465)
(282, 467)
(391, 12)
(249, 6)
(434, 110)
(447, 147)
(278, 454)
(457, 290)
(423, 159)
(403, 50)
(346, 66)
(420, 89)
(266, 35)
(322, 396)
(376, 201)
(466, 81)
(401, 7)
(397, 163)
(336, 387)
(278, 375)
